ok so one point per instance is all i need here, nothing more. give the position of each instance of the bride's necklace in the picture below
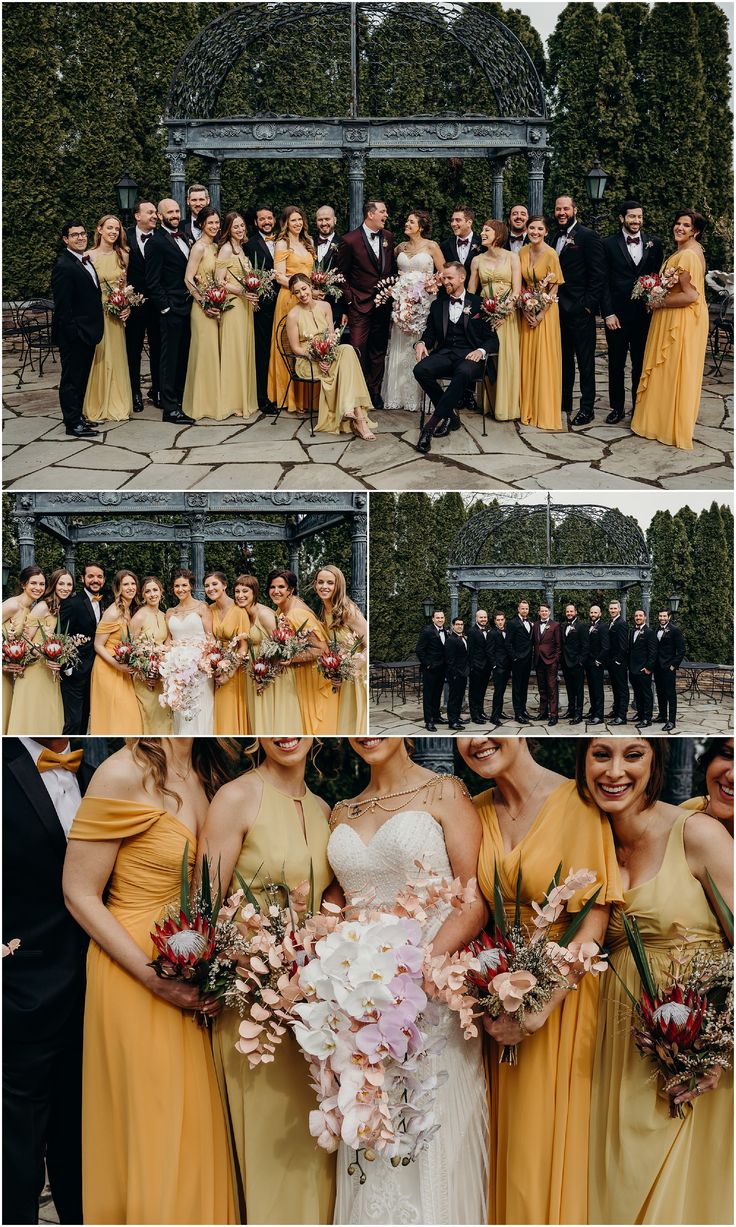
(525, 801)
(356, 809)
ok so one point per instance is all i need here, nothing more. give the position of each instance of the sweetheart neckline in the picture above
(399, 814)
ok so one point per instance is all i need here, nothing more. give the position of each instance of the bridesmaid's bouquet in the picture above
(495, 308)
(145, 658)
(257, 280)
(123, 651)
(340, 663)
(185, 935)
(214, 295)
(17, 651)
(327, 281)
(411, 294)
(323, 346)
(284, 642)
(220, 660)
(534, 300)
(263, 670)
(59, 649)
(653, 288)
(117, 298)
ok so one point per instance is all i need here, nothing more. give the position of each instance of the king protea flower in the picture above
(185, 947)
(492, 954)
(675, 1017)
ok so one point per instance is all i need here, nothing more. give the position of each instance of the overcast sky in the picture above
(642, 504)
(544, 14)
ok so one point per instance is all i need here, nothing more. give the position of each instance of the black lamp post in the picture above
(595, 185)
(428, 607)
(6, 573)
(673, 600)
(127, 192)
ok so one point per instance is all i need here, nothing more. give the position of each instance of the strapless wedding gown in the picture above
(188, 629)
(400, 389)
(448, 1182)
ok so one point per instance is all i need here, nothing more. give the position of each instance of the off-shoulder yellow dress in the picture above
(37, 707)
(278, 375)
(318, 702)
(231, 711)
(342, 389)
(154, 1137)
(109, 397)
(540, 1108)
(157, 721)
(496, 278)
(237, 344)
(645, 1166)
(114, 707)
(541, 350)
(202, 392)
(668, 397)
(276, 710)
(283, 1175)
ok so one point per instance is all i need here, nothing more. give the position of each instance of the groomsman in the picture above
(430, 651)
(327, 245)
(464, 244)
(547, 654)
(80, 615)
(144, 320)
(458, 668)
(518, 220)
(197, 199)
(259, 249)
(574, 656)
(166, 262)
(642, 660)
(618, 663)
(670, 655)
(584, 270)
(365, 257)
(520, 648)
(43, 982)
(501, 664)
(629, 254)
(479, 651)
(77, 326)
(595, 663)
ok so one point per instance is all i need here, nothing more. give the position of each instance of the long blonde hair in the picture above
(304, 237)
(118, 601)
(343, 609)
(120, 246)
(214, 760)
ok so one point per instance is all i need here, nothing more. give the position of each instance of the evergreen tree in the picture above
(711, 599)
(384, 607)
(449, 515)
(631, 16)
(414, 575)
(716, 132)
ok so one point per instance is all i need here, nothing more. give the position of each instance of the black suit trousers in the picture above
(175, 332)
(142, 321)
(520, 671)
(75, 695)
(477, 686)
(446, 364)
(575, 685)
(501, 675)
(433, 681)
(665, 682)
(456, 683)
(76, 363)
(641, 684)
(630, 338)
(619, 676)
(594, 674)
(577, 329)
(549, 689)
(263, 330)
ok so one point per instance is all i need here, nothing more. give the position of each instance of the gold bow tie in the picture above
(49, 761)
(96, 599)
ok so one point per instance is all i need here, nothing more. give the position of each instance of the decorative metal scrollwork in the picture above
(626, 537)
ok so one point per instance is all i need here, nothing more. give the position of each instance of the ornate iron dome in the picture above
(628, 540)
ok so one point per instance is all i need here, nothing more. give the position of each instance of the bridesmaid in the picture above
(32, 584)
(154, 1139)
(668, 397)
(294, 253)
(317, 702)
(277, 706)
(109, 397)
(344, 622)
(645, 1165)
(33, 699)
(271, 828)
(541, 347)
(499, 272)
(533, 819)
(237, 339)
(229, 621)
(343, 394)
(202, 392)
(113, 704)
(150, 621)
(716, 762)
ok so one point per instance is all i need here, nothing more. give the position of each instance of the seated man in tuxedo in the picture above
(518, 221)
(77, 326)
(80, 614)
(501, 664)
(642, 662)
(459, 343)
(430, 651)
(458, 668)
(670, 655)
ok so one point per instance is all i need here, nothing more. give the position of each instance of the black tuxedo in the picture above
(633, 317)
(520, 649)
(256, 249)
(618, 665)
(500, 669)
(77, 329)
(430, 651)
(143, 321)
(165, 268)
(584, 269)
(670, 655)
(43, 1001)
(338, 306)
(574, 657)
(78, 618)
(479, 651)
(595, 665)
(642, 656)
(449, 345)
(449, 251)
(458, 669)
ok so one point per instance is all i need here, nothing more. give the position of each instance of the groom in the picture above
(365, 257)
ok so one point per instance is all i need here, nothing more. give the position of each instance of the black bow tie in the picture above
(145, 237)
(456, 300)
(633, 242)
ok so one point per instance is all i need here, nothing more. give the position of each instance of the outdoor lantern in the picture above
(595, 183)
(247, 551)
(6, 573)
(673, 600)
(428, 607)
(127, 192)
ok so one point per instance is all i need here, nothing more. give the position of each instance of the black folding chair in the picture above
(720, 333)
(289, 361)
(484, 380)
(35, 320)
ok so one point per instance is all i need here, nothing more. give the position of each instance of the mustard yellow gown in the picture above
(541, 351)
(318, 703)
(237, 344)
(284, 1176)
(202, 391)
(114, 706)
(231, 711)
(36, 707)
(278, 376)
(342, 389)
(495, 278)
(668, 397)
(154, 1137)
(540, 1108)
(14, 624)
(352, 708)
(157, 720)
(108, 397)
(276, 710)
(645, 1166)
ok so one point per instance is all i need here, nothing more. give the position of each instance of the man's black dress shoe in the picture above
(440, 720)
(643, 724)
(179, 418)
(522, 720)
(616, 415)
(659, 718)
(583, 417)
(552, 722)
(138, 404)
(443, 430)
(577, 720)
(618, 720)
(270, 410)
(81, 430)
(455, 422)
(666, 727)
(430, 728)
(595, 720)
(457, 727)
(425, 440)
(155, 399)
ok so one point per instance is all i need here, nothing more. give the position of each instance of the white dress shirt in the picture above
(456, 307)
(140, 235)
(635, 250)
(270, 243)
(60, 784)
(374, 238)
(181, 244)
(562, 240)
(87, 265)
(96, 605)
(516, 244)
(463, 246)
(323, 246)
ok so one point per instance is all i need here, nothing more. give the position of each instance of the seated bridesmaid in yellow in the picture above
(109, 397)
(541, 347)
(237, 340)
(154, 1139)
(202, 392)
(275, 709)
(318, 703)
(15, 610)
(647, 1166)
(499, 272)
(716, 762)
(533, 819)
(229, 622)
(668, 397)
(271, 828)
(150, 621)
(343, 621)
(294, 253)
(113, 704)
(343, 394)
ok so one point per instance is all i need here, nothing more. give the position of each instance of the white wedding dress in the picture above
(448, 1181)
(400, 389)
(188, 629)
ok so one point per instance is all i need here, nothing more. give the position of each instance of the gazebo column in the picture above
(197, 528)
(356, 186)
(646, 596)
(434, 753)
(26, 539)
(678, 775)
(497, 165)
(294, 558)
(454, 593)
(535, 161)
(359, 560)
(214, 174)
(623, 594)
(185, 555)
(177, 165)
(70, 556)
(473, 603)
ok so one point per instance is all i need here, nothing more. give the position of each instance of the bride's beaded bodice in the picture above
(420, 262)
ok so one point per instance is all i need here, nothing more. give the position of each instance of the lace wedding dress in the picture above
(400, 389)
(447, 1183)
(185, 630)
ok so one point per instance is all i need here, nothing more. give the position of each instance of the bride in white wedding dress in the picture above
(408, 813)
(190, 622)
(416, 259)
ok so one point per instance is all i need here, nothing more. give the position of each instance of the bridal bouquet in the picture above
(214, 295)
(495, 308)
(117, 298)
(17, 651)
(534, 301)
(59, 649)
(327, 281)
(653, 288)
(323, 347)
(220, 660)
(411, 294)
(145, 658)
(180, 671)
(257, 280)
(340, 663)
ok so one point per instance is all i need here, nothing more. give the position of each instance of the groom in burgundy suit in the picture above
(365, 257)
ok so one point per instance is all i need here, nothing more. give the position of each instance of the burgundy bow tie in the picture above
(86, 259)
(176, 234)
(633, 242)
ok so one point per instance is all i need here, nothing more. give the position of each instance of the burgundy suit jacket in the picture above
(360, 269)
(547, 648)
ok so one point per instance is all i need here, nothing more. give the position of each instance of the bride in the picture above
(417, 259)
(189, 623)
(407, 813)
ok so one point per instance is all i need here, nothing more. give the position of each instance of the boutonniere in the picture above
(475, 247)
(568, 242)
(467, 310)
(648, 245)
(385, 243)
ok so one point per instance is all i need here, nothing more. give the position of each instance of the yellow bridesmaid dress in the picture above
(154, 1137)
(231, 711)
(495, 278)
(645, 1166)
(202, 392)
(278, 375)
(318, 702)
(540, 1108)
(14, 624)
(157, 720)
(342, 389)
(114, 707)
(541, 350)
(283, 1174)
(276, 710)
(37, 707)
(352, 709)
(668, 397)
(109, 397)
(238, 391)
